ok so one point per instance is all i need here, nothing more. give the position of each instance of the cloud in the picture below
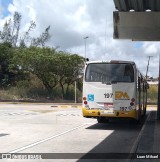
(72, 20)
(151, 48)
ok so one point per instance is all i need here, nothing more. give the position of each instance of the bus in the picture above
(113, 89)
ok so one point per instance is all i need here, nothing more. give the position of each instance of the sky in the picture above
(72, 20)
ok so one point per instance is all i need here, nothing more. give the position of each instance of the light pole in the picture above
(85, 38)
(148, 65)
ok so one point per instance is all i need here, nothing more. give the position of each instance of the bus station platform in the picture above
(147, 146)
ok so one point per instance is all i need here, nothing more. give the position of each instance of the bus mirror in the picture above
(87, 59)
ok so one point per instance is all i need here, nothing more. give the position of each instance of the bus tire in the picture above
(135, 121)
(102, 119)
(144, 112)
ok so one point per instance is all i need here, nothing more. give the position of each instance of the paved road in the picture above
(43, 128)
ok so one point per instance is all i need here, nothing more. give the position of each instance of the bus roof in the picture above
(111, 61)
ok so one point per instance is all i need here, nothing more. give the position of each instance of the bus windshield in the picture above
(109, 72)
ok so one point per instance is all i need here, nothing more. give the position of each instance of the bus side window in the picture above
(129, 73)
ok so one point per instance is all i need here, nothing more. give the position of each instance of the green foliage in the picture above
(11, 33)
(6, 54)
(51, 67)
(152, 93)
(24, 58)
(40, 41)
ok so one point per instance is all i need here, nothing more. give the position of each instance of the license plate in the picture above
(107, 112)
(108, 104)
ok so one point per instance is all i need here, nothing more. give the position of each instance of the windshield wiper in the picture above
(109, 83)
(114, 82)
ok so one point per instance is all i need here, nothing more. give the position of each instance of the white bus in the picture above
(113, 89)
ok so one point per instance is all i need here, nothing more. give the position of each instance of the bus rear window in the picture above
(108, 73)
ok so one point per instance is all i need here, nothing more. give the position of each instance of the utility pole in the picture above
(148, 65)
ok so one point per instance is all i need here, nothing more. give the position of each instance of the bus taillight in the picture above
(132, 101)
(85, 102)
(84, 98)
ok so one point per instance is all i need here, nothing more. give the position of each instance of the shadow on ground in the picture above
(117, 146)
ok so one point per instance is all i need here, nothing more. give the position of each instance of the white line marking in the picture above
(47, 139)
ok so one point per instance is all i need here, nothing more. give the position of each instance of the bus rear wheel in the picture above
(144, 111)
(102, 119)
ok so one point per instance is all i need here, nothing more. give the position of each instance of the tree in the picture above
(6, 54)
(11, 33)
(51, 67)
(37, 61)
(40, 41)
(10, 41)
(69, 68)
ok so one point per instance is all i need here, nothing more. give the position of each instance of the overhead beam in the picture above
(140, 26)
(133, 21)
(137, 5)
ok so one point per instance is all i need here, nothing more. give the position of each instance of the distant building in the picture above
(152, 81)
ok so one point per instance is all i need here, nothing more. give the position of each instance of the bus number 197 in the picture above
(123, 108)
(108, 95)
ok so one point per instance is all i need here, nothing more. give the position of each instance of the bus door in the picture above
(124, 88)
(139, 95)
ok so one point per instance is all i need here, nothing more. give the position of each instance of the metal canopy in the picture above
(137, 20)
(138, 25)
(137, 5)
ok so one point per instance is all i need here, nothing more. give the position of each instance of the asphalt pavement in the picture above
(145, 148)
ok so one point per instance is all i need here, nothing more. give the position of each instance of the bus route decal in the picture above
(108, 95)
(90, 97)
(119, 95)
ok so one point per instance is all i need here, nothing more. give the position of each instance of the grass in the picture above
(21, 93)
(29, 94)
(152, 93)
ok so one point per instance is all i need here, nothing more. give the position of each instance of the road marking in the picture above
(46, 139)
(16, 113)
(69, 114)
(67, 106)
